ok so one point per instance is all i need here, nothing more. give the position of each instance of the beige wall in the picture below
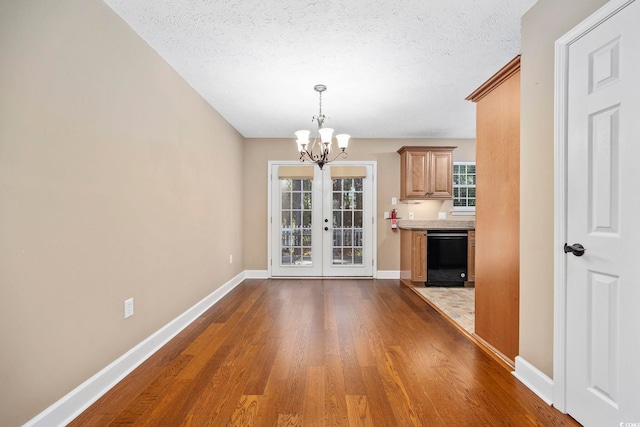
(545, 22)
(114, 180)
(258, 152)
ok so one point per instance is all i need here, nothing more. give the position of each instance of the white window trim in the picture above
(460, 212)
(463, 210)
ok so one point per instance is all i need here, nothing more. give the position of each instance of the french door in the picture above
(321, 220)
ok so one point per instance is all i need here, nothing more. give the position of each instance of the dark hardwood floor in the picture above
(321, 353)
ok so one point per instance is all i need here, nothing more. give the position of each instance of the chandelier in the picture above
(319, 150)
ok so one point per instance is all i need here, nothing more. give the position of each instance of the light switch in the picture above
(128, 308)
(394, 201)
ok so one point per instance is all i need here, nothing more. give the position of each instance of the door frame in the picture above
(561, 103)
(374, 207)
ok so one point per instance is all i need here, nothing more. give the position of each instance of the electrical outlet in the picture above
(128, 308)
(386, 215)
(442, 215)
(410, 215)
(230, 259)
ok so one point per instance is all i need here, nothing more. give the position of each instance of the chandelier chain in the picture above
(319, 118)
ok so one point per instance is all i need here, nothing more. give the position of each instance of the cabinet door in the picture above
(419, 257)
(440, 182)
(415, 178)
(426, 173)
(471, 256)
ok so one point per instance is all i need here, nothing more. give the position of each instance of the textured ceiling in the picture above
(393, 68)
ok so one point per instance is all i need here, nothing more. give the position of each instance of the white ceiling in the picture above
(393, 68)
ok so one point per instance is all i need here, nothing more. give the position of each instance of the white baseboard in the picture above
(534, 379)
(388, 274)
(256, 274)
(264, 274)
(75, 402)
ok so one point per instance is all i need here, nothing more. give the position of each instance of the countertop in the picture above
(436, 224)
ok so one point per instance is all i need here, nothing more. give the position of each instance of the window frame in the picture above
(463, 210)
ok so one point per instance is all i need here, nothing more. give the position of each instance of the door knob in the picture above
(326, 229)
(577, 249)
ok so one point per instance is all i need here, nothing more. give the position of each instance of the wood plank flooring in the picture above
(321, 353)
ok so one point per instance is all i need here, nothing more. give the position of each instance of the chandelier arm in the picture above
(321, 158)
(341, 153)
(314, 158)
(305, 155)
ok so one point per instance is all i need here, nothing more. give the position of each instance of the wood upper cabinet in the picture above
(426, 173)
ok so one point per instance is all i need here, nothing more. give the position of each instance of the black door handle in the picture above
(326, 229)
(577, 249)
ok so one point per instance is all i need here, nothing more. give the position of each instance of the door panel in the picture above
(604, 208)
(602, 325)
(603, 291)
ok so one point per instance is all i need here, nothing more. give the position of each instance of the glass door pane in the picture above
(295, 231)
(346, 245)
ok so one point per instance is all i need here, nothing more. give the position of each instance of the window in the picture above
(464, 188)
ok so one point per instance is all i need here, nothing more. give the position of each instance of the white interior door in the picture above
(603, 285)
(322, 221)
